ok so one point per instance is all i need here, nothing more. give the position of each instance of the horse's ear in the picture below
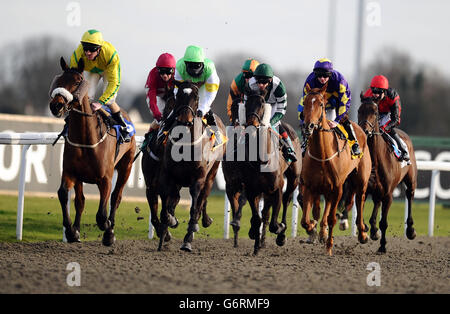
(63, 64)
(80, 68)
(324, 88)
(177, 83)
(361, 96)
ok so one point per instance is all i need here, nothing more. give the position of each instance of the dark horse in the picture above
(326, 166)
(190, 160)
(152, 165)
(90, 155)
(262, 173)
(387, 173)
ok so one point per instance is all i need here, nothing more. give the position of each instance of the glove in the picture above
(199, 114)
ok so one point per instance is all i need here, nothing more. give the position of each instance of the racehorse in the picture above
(387, 172)
(91, 153)
(190, 160)
(263, 176)
(326, 165)
(151, 166)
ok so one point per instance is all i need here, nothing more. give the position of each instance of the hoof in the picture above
(186, 246)
(312, 239)
(382, 250)
(168, 237)
(236, 224)
(252, 234)
(330, 251)
(363, 239)
(410, 233)
(277, 228)
(108, 238)
(375, 234)
(172, 221)
(343, 225)
(206, 222)
(281, 239)
(366, 228)
(193, 228)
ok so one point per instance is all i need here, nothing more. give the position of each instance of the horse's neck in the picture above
(322, 144)
(83, 126)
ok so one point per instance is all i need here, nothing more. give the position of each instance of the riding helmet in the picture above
(93, 37)
(166, 60)
(264, 70)
(380, 81)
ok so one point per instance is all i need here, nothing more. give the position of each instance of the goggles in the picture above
(167, 71)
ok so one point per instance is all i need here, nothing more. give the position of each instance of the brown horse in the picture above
(387, 172)
(190, 160)
(326, 165)
(90, 155)
(152, 165)
(262, 172)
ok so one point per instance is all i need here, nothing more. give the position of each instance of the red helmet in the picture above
(166, 60)
(380, 81)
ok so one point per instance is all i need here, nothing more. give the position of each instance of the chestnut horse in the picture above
(387, 172)
(263, 176)
(152, 165)
(326, 166)
(90, 155)
(189, 160)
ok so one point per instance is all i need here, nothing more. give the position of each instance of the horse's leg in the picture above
(334, 200)
(236, 211)
(255, 221)
(323, 233)
(206, 190)
(63, 196)
(170, 196)
(79, 207)
(374, 231)
(316, 216)
(410, 189)
(195, 191)
(104, 187)
(265, 220)
(307, 201)
(292, 184)
(274, 226)
(343, 219)
(386, 204)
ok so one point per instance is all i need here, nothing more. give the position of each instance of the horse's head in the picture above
(368, 115)
(186, 102)
(63, 86)
(255, 108)
(314, 109)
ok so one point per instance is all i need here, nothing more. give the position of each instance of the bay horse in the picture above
(326, 166)
(152, 164)
(263, 176)
(190, 160)
(90, 155)
(387, 172)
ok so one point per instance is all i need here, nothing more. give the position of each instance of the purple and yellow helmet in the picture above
(323, 65)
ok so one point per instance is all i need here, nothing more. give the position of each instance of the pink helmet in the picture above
(166, 60)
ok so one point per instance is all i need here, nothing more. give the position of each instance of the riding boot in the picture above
(211, 120)
(288, 151)
(352, 137)
(118, 117)
(304, 143)
(165, 127)
(401, 146)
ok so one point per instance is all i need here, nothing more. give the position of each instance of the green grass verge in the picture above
(43, 220)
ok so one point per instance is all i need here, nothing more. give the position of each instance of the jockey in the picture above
(236, 94)
(389, 109)
(101, 62)
(194, 67)
(338, 97)
(276, 96)
(159, 78)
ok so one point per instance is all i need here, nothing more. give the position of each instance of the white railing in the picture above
(45, 138)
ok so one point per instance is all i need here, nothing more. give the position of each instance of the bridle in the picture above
(316, 125)
(372, 126)
(254, 113)
(178, 110)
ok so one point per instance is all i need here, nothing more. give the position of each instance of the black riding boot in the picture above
(352, 137)
(304, 143)
(400, 145)
(211, 120)
(118, 117)
(288, 151)
(165, 126)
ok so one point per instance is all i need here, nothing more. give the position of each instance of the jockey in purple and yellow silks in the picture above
(101, 62)
(338, 97)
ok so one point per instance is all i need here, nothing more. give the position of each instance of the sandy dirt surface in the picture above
(214, 266)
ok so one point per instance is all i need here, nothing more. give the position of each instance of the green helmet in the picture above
(250, 65)
(264, 70)
(194, 54)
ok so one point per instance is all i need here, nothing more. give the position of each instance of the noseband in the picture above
(254, 113)
(316, 125)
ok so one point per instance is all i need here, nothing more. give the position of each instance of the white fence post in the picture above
(20, 200)
(226, 219)
(434, 180)
(295, 206)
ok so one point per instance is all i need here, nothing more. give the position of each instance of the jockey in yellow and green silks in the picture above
(101, 62)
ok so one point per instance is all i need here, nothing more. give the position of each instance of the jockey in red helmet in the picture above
(159, 78)
(389, 109)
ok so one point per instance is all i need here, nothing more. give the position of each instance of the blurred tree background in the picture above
(29, 67)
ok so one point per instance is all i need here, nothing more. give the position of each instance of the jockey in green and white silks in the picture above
(194, 67)
(276, 96)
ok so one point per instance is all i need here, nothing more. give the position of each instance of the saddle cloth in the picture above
(130, 126)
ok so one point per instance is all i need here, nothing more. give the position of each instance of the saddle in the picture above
(342, 134)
